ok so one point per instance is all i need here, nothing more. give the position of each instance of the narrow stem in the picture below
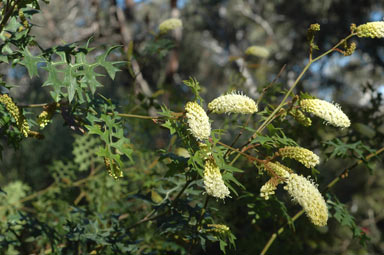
(127, 115)
(33, 105)
(146, 219)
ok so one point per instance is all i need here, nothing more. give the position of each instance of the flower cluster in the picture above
(113, 168)
(304, 192)
(371, 29)
(304, 156)
(233, 103)
(218, 228)
(327, 111)
(269, 188)
(257, 51)
(45, 116)
(198, 121)
(278, 169)
(169, 24)
(12, 108)
(213, 181)
(301, 117)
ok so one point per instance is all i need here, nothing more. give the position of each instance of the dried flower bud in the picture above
(233, 103)
(331, 113)
(198, 121)
(12, 108)
(371, 29)
(257, 51)
(169, 24)
(305, 193)
(213, 181)
(218, 228)
(304, 156)
(113, 168)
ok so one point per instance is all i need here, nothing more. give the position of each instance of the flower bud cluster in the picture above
(371, 29)
(198, 121)
(269, 188)
(12, 108)
(301, 118)
(45, 116)
(169, 24)
(304, 192)
(218, 228)
(278, 169)
(233, 103)
(304, 156)
(213, 181)
(331, 113)
(113, 168)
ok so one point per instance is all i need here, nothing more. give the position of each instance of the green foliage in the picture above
(342, 215)
(155, 196)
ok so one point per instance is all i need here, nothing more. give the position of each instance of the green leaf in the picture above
(30, 62)
(109, 66)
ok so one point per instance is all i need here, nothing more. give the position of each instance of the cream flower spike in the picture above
(198, 121)
(304, 156)
(233, 103)
(169, 24)
(305, 192)
(371, 29)
(331, 113)
(257, 51)
(213, 181)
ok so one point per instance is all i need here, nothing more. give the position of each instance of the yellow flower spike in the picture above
(218, 228)
(45, 116)
(12, 108)
(213, 181)
(301, 118)
(278, 169)
(113, 169)
(198, 121)
(304, 156)
(269, 188)
(257, 51)
(169, 24)
(233, 103)
(331, 113)
(371, 29)
(305, 193)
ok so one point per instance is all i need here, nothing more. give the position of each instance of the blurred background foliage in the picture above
(59, 190)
